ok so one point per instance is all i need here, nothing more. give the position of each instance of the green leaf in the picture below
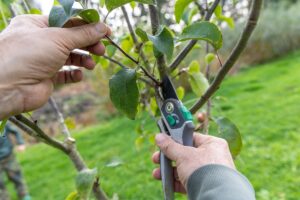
(180, 6)
(84, 182)
(70, 123)
(218, 11)
(163, 42)
(189, 14)
(124, 92)
(102, 3)
(114, 162)
(112, 4)
(153, 106)
(142, 34)
(221, 17)
(35, 11)
(67, 5)
(206, 31)
(209, 58)
(58, 16)
(90, 15)
(229, 131)
(197, 80)
(2, 127)
(180, 92)
(73, 196)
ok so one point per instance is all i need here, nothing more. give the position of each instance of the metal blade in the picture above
(168, 90)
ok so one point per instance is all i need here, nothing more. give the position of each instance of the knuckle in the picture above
(222, 143)
(89, 34)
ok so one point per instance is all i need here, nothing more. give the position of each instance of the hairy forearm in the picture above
(10, 101)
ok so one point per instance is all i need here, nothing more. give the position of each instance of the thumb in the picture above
(83, 36)
(169, 147)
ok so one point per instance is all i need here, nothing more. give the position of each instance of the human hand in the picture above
(31, 55)
(207, 150)
(21, 148)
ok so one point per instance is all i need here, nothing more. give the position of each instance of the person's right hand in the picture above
(207, 150)
(31, 55)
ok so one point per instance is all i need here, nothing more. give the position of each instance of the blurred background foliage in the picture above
(261, 98)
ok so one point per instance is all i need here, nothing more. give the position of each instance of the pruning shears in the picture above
(177, 122)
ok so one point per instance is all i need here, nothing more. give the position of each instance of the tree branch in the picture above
(238, 49)
(134, 37)
(192, 43)
(41, 134)
(155, 23)
(61, 120)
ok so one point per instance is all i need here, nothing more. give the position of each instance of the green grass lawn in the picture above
(264, 102)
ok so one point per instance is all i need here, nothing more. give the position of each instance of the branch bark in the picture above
(155, 23)
(70, 150)
(181, 56)
(235, 54)
(41, 134)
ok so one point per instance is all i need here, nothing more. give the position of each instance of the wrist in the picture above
(11, 102)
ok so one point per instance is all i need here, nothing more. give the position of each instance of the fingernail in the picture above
(160, 138)
(101, 28)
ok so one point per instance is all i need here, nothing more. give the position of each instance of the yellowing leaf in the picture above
(197, 80)
(209, 58)
(180, 92)
(73, 196)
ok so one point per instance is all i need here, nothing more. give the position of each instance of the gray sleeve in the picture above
(217, 182)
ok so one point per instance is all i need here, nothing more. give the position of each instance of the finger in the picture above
(200, 139)
(81, 61)
(155, 157)
(82, 36)
(169, 147)
(156, 174)
(97, 49)
(64, 77)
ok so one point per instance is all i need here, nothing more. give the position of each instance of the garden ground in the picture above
(264, 102)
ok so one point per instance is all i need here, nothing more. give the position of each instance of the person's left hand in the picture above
(21, 148)
(32, 54)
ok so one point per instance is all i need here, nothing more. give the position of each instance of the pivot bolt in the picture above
(169, 107)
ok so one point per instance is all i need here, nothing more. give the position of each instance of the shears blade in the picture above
(168, 90)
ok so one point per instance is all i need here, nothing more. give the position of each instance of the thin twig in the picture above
(114, 61)
(138, 46)
(150, 76)
(240, 46)
(61, 119)
(192, 43)
(219, 59)
(120, 49)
